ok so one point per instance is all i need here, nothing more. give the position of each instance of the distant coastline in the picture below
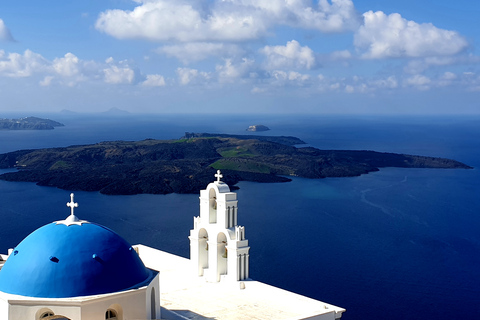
(29, 123)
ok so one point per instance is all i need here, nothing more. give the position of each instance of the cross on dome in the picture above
(218, 175)
(72, 219)
(72, 204)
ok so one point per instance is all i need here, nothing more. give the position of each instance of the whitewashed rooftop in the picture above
(190, 297)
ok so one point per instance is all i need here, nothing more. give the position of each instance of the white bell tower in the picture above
(218, 248)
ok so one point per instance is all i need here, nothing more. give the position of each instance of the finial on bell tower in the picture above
(219, 176)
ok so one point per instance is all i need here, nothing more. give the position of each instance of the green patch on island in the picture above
(235, 152)
(61, 165)
(236, 165)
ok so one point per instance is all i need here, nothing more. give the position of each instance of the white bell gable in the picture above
(218, 248)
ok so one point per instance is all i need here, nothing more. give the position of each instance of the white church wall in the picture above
(25, 310)
(132, 304)
(127, 305)
(153, 299)
(3, 309)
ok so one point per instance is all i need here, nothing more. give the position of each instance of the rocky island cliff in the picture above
(258, 127)
(29, 123)
(188, 164)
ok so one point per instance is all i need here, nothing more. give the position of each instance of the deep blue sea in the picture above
(394, 244)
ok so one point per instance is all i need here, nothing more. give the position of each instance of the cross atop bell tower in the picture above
(218, 175)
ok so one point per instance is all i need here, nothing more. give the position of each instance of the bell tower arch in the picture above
(218, 248)
(212, 206)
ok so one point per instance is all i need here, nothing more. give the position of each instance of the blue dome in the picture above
(61, 261)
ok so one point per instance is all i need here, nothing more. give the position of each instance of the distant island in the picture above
(188, 164)
(258, 127)
(29, 123)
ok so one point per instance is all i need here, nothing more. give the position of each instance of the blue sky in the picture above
(241, 56)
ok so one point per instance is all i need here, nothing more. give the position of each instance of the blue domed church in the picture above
(78, 270)
(74, 269)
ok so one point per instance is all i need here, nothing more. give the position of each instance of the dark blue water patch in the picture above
(382, 240)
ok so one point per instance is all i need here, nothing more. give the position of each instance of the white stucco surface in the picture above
(186, 296)
(130, 304)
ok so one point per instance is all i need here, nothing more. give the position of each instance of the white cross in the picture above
(218, 175)
(72, 204)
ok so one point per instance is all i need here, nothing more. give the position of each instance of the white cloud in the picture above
(119, 74)
(228, 72)
(71, 70)
(5, 34)
(334, 86)
(341, 55)
(47, 81)
(282, 78)
(419, 65)
(68, 70)
(337, 16)
(418, 81)
(188, 76)
(389, 83)
(449, 76)
(197, 51)
(349, 89)
(154, 80)
(290, 56)
(392, 36)
(17, 65)
(227, 20)
(257, 90)
(296, 76)
(66, 66)
(164, 20)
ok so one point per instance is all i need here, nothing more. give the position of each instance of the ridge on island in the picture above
(187, 164)
(29, 123)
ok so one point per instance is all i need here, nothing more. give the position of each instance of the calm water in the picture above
(395, 244)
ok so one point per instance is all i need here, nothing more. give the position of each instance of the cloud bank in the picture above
(228, 20)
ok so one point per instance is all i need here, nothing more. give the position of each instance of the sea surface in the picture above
(394, 244)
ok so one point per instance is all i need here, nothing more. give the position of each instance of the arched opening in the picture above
(202, 251)
(111, 314)
(46, 314)
(153, 306)
(222, 255)
(115, 312)
(212, 206)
